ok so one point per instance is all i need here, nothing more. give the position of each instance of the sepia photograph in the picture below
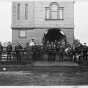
(43, 43)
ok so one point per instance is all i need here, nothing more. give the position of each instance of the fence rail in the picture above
(23, 57)
(11, 57)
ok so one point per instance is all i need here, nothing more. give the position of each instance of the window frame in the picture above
(26, 11)
(50, 12)
(19, 34)
(61, 8)
(47, 8)
(18, 11)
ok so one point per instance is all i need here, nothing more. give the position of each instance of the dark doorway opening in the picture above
(54, 34)
(54, 42)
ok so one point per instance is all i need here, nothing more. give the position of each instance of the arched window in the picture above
(26, 11)
(18, 11)
(54, 12)
(54, 7)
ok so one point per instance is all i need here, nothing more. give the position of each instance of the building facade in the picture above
(30, 20)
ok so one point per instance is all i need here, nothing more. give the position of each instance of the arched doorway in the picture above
(53, 35)
(54, 42)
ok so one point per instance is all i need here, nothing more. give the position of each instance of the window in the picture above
(18, 11)
(47, 13)
(22, 34)
(26, 11)
(61, 13)
(54, 12)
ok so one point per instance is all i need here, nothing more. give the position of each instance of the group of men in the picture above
(18, 51)
(52, 50)
(80, 53)
(8, 50)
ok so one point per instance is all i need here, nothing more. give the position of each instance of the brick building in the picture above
(31, 19)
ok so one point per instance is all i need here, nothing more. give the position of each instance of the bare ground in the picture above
(22, 78)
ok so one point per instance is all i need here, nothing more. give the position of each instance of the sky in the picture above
(80, 21)
(5, 21)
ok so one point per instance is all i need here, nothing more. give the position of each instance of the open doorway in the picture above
(54, 42)
(54, 35)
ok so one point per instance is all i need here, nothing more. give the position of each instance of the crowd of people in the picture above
(77, 53)
(32, 51)
(17, 51)
(80, 53)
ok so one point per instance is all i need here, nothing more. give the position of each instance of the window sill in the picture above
(53, 19)
(22, 37)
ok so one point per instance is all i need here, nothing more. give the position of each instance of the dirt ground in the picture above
(29, 78)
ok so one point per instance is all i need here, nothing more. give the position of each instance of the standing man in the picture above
(1, 50)
(85, 52)
(49, 51)
(61, 53)
(28, 50)
(18, 51)
(32, 44)
(9, 50)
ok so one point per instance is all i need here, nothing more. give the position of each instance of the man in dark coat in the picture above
(85, 52)
(18, 50)
(61, 53)
(9, 50)
(51, 53)
(1, 50)
(28, 50)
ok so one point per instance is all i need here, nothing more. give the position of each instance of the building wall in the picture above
(69, 35)
(22, 22)
(38, 34)
(36, 24)
(37, 13)
(67, 22)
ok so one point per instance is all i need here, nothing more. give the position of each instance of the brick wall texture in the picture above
(36, 25)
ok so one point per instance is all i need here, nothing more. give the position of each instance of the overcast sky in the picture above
(81, 20)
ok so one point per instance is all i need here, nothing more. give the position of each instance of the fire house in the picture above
(34, 19)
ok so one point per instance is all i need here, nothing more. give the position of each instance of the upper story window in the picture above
(18, 11)
(26, 11)
(54, 12)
